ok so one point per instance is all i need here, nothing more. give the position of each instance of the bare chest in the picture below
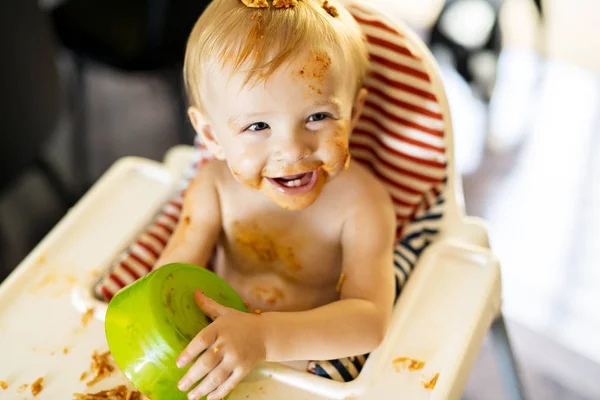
(295, 251)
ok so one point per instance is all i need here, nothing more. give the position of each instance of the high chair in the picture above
(117, 231)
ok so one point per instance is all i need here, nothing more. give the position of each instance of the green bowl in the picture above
(150, 322)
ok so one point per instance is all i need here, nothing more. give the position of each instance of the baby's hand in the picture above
(234, 344)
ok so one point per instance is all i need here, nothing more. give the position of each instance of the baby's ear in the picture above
(204, 129)
(357, 107)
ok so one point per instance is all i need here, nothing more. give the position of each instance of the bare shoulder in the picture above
(212, 173)
(360, 191)
(215, 169)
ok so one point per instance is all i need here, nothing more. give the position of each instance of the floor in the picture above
(540, 197)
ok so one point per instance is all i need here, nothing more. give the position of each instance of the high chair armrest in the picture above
(178, 159)
(175, 162)
(42, 334)
(471, 230)
(441, 319)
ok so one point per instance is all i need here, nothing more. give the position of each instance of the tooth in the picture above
(294, 183)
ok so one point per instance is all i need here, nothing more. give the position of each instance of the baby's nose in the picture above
(292, 149)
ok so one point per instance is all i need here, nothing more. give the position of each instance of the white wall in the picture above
(573, 31)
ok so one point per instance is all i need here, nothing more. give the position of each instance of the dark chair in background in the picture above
(467, 29)
(30, 92)
(464, 47)
(29, 105)
(131, 36)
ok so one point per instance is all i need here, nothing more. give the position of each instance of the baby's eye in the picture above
(259, 126)
(318, 117)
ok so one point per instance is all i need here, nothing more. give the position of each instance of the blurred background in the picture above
(85, 82)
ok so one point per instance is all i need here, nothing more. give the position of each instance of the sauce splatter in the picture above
(296, 202)
(37, 387)
(314, 71)
(256, 3)
(87, 316)
(408, 363)
(120, 392)
(261, 247)
(430, 385)
(284, 3)
(331, 10)
(3, 385)
(338, 287)
(338, 150)
(268, 295)
(53, 284)
(101, 367)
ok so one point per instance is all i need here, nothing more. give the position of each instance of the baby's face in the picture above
(288, 136)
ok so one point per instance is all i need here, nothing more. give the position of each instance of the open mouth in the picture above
(296, 184)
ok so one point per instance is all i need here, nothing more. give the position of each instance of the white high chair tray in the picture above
(438, 318)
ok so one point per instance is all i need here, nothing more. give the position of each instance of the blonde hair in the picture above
(264, 38)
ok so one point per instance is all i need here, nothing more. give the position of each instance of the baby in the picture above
(302, 233)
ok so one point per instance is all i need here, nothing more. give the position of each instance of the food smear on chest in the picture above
(261, 247)
(268, 294)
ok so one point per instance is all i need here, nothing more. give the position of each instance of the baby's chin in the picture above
(293, 202)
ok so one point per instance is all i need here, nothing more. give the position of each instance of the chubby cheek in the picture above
(246, 169)
(335, 151)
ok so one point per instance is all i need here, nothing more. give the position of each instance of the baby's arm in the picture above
(357, 323)
(198, 229)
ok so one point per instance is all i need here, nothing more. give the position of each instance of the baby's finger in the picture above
(201, 342)
(211, 382)
(226, 387)
(206, 363)
(208, 306)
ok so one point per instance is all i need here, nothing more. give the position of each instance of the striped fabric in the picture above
(399, 137)
(137, 260)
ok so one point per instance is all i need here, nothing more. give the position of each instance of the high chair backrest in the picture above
(405, 132)
(404, 137)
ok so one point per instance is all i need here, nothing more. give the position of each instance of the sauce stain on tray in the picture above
(430, 384)
(407, 363)
(101, 367)
(121, 392)
(37, 387)
(53, 284)
(87, 316)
